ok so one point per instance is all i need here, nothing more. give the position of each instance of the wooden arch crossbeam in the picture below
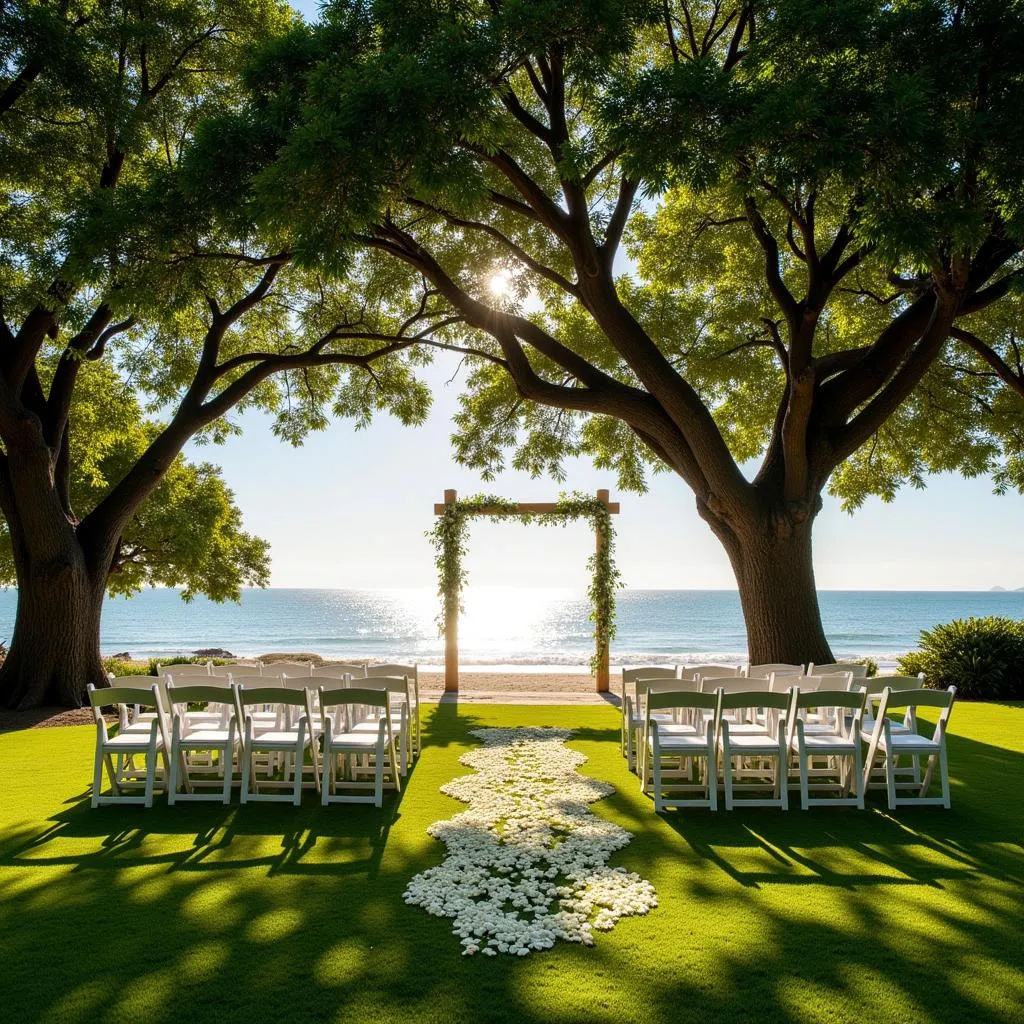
(451, 607)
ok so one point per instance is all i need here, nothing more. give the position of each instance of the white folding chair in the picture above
(398, 689)
(190, 738)
(188, 669)
(128, 747)
(338, 669)
(291, 738)
(855, 668)
(690, 744)
(874, 688)
(348, 748)
(283, 669)
(669, 720)
(886, 741)
(412, 697)
(632, 705)
(839, 745)
(769, 669)
(762, 747)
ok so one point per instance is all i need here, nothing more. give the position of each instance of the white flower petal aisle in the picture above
(528, 863)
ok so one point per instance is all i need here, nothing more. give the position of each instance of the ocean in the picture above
(525, 628)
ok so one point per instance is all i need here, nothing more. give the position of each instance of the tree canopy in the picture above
(187, 534)
(814, 197)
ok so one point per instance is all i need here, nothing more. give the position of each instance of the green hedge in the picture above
(120, 667)
(982, 658)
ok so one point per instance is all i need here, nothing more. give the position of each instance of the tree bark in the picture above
(55, 649)
(771, 557)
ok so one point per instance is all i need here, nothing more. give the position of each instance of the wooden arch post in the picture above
(451, 604)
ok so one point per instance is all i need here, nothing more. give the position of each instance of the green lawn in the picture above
(275, 913)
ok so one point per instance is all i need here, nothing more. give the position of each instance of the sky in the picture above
(350, 509)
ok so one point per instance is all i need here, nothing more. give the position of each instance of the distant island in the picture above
(1000, 589)
(1003, 590)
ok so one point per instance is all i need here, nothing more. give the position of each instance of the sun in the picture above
(500, 283)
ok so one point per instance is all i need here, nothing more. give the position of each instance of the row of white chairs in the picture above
(755, 738)
(291, 674)
(355, 731)
(636, 680)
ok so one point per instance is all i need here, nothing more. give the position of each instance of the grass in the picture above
(279, 913)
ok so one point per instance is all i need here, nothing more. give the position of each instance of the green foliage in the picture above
(982, 657)
(187, 534)
(124, 667)
(870, 663)
(450, 532)
(860, 121)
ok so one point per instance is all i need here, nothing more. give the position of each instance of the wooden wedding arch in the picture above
(568, 509)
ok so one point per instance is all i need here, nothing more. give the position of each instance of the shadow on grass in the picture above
(241, 913)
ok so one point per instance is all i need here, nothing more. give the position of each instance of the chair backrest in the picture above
(235, 668)
(808, 684)
(376, 671)
(339, 670)
(188, 669)
(708, 671)
(830, 699)
(200, 694)
(918, 698)
(631, 675)
(373, 697)
(140, 696)
(647, 686)
(735, 684)
(730, 701)
(669, 699)
(392, 684)
(297, 698)
(877, 684)
(144, 683)
(218, 682)
(277, 669)
(911, 700)
(332, 683)
(255, 679)
(780, 668)
(859, 671)
(297, 682)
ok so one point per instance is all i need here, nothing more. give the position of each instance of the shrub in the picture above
(982, 658)
(872, 665)
(121, 667)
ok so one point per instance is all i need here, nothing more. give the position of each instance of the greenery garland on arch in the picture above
(449, 540)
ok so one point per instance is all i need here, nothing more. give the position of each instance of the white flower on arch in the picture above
(528, 863)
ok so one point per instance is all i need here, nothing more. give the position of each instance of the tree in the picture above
(128, 243)
(187, 534)
(776, 171)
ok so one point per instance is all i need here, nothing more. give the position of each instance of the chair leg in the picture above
(150, 775)
(172, 780)
(858, 776)
(656, 768)
(890, 780)
(378, 775)
(805, 794)
(247, 774)
(97, 775)
(727, 774)
(297, 787)
(944, 773)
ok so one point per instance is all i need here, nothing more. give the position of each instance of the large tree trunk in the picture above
(771, 557)
(55, 650)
